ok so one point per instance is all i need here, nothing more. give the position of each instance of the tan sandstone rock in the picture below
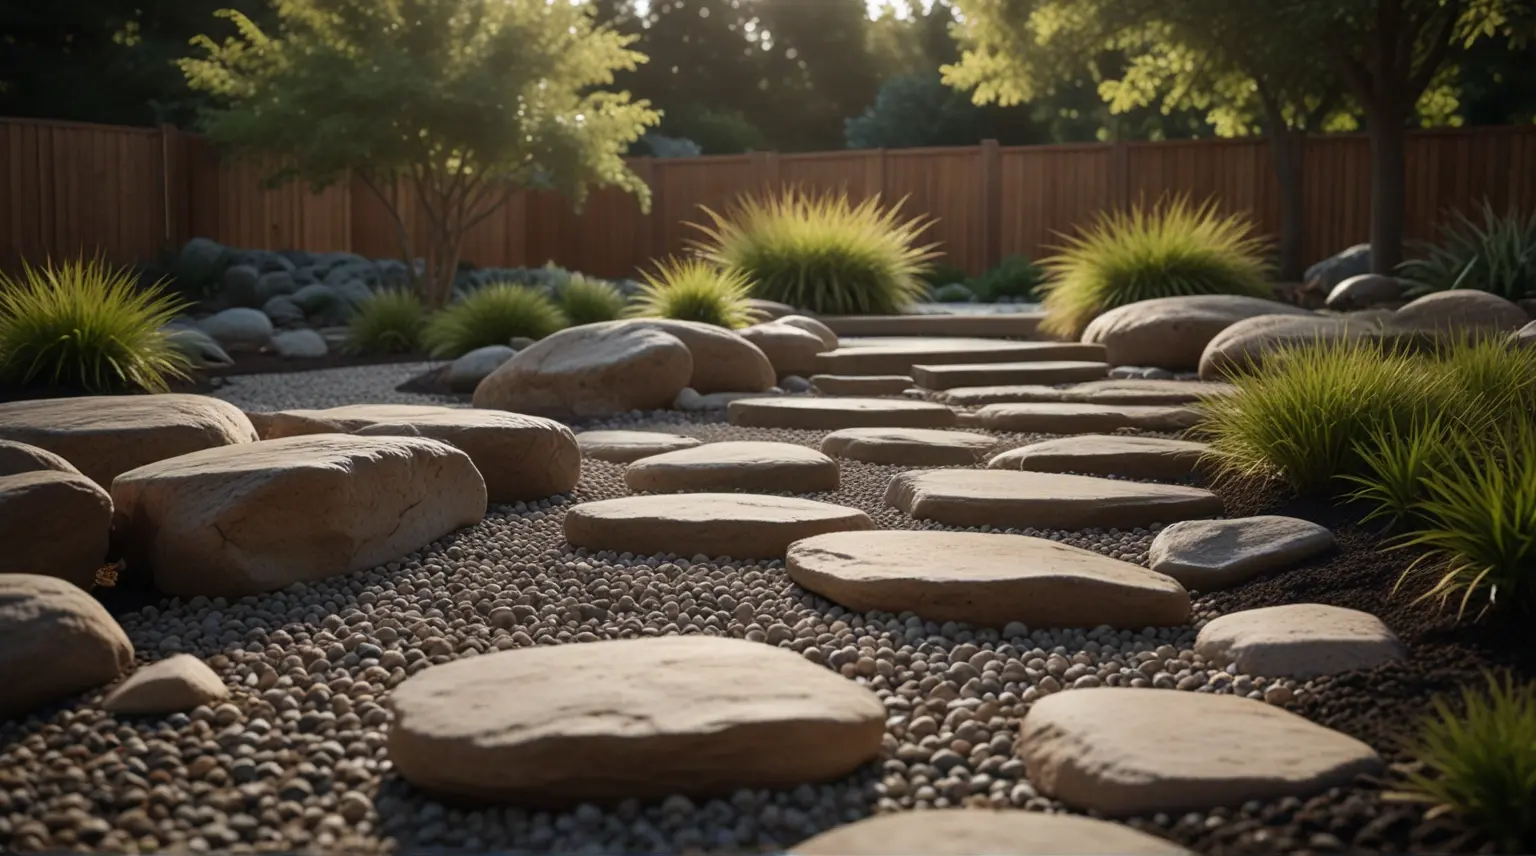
(623, 447)
(1244, 346)
(963, 375)
(241, 520)
(1298, 640)
(916, 447)
(54, 523)
(1114, 391)
(742, 526)
(835, 413)
(175, 684)
(751, 467)
(723, 361)
(18, 458)
(590, 371)
(55, 641)
(857, 385)
(1172, 332)
(630, 719)
(1008, 499)
(968, 832)
(1123, 455)
(1214, 554)
(792, 350)
(811, 325)
(1457, 312)
(1072, 418)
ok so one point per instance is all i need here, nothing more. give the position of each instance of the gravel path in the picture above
(329, 388)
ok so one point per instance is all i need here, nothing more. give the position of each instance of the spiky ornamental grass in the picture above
(822, 253)
(1173, 249)
(492, 315)
(694, 290)
(390, 322)
(1494, 253)
(588, 300)
(84, 325)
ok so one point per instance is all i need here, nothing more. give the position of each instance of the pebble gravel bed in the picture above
(330, 388)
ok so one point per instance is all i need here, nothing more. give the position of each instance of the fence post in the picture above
(990, 177)
(174, 188)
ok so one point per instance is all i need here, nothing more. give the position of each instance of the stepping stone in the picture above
(898, 356)
(969, 831)
(1123, 751)
(173, 685)
(743, 526)
(918, 447)
(630, 719)
(828, 384)
(521, 457)
(1213, 554)
(107, 435)
(54, 523)
(985, 580)
(1298, 640)
(984, 374)
(1106, 455)
(246, 519)
(752, 467)
(624, 447)
(834, 413)
(55, 641)
(1112, 391)
(1009, 325)
(1073, 418)
(1005, 499)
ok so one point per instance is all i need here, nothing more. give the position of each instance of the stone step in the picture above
(1215, 554)
(835, 413)
(1299, 640)
(993, 374)
(913, 447)
(897, 356)
(969, 831)
(1019, 500)
(1013, 325)
(861, 385)
(1121, 455)
(751, 467)
(1074, 418)
(1113, 391)
(623, 447)
(742, 526)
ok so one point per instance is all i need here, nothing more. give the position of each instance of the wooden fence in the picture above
(128, 194)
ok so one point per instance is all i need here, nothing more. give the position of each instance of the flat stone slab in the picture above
(985, 580)
(993, 374)
(715, 524)
(1011, 325)
(1213, 554)
(1007, 499)
(753, 467)
(624, 447)
(970, 831)
(1123, 751)
(1106, 455)
(634, 718)
(1298, 640)
(918, 447)
(827, 384)
(834, 413)
(1074, 418)
(897, 356)
(1111, 391)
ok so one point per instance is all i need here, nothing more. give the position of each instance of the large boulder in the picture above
(240, 520)
(723, 361)
(591, 371)
(1172, 332)
(239, 329)
(1245, 345)
(1456, 313)
(55, 641)
(18, 458)
(1363, 292)
(1341, 266)
(792, 350)
(103, 436)
(54, 523)
(811, 325)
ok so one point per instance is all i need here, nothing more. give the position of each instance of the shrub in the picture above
(943, 273)
(492, 315)
(1490, 379)
(694, 290)
(1496, 254)
(1481, 764)
(389, 322)
(1016, 277)
(1172, 250)
(955, 292)
(821, 253)
(586, 300)
(86, 326)
(1394, 465)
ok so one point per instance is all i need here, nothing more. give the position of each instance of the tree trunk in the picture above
(1389, 136)
(1287, 148)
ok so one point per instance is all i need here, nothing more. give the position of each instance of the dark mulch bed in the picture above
(1380, 706)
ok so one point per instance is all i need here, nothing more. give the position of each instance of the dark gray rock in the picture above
(201, 263)
(315, 298)
(239, 329)
(1336, 268)
(238, 286)
(273, 284)
(284, 312)
(299, 344)
(1364, 291)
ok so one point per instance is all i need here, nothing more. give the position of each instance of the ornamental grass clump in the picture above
(588, 300)
(1494, 253)
(1173, 249)
(389, 322)
(822, 253)
(694, 290)
(492, 315)
(88, 327)
(1479, 763)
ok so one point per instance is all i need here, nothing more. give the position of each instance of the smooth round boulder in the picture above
(55, 641)
(172, 685)
(1243, 347)
(1364, 291)
(790, 349)
(769, 310)
(917, 447)
(971, 831)
(1073, 418)
(856, 385)
(723, 361)
(630, 719)
(103, 436)
(520, 457)
(1024, 500)
(983, 579)
(1458, 312)
(1172, 332)
(241, 520)
(239, 330)
(624, 447)
(813, 326)
(16, 458)
(743, 526)
(751, 467)
(466, 372)
(835, 413)
(1123, 751)
(590, 371)
(54, 523)
(1213, 554)
(998, 374)
(1123, 455)
(1299, 640)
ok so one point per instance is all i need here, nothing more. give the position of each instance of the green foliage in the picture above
(389, 322)
(491, 315)
(1480, 763)
(588, 300)
(822, 253)
(1016, 277)
(1394, 465)
(694, 290)
(915, 110)
(944, 273)
(1496, 254)
(955, 292)
(85, 326)
(1174, 249)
